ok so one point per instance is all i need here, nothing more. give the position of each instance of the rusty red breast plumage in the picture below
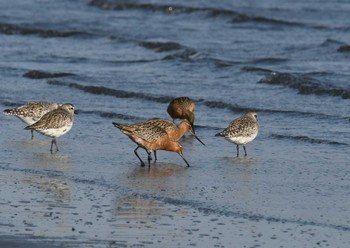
(151, 138)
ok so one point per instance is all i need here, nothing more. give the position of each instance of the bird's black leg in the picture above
(51, 145)
(149, 158)
(155, 155)
(53, 141)
(135, 151)
(245, 151)
(237, 150)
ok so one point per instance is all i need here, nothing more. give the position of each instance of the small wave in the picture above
(305, 84)
(35, 74)
(101, 90)
(110, 115)
(11, 104)
(328, 42)
(319, 74)
(223, 105)
(220, 63)
(11, 29)
(269, 61)
(306, 139)
(239, 109)
(168, 9)
(187, 55)
(247, 18)
(140, 61)
(344, 48)
(161, 46)
(255, 69)
(178, 9)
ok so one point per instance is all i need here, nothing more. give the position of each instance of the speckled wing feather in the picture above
(242, 127)
(54, 119)
(239, 127)
(35, 110)
(164, 124)
(146, 131)
(150, 133)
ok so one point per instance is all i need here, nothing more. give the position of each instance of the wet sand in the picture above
(51, 212)
(65, 200)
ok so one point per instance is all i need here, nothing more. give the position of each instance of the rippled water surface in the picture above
(124, 61)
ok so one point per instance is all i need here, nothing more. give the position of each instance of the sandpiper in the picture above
(151, 138)
(175, 132)
(242, 130)
(32, 111)
(55, 123)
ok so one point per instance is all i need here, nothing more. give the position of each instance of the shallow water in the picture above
(125, 63)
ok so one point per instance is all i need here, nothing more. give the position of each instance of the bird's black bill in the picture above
(192, 126)
(198, 139)
(194, 134)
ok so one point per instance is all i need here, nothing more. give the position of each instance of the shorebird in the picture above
(242, 130)
(32, 111)
(182, 108)
(151, 138)
(55, 123)
(175, 132)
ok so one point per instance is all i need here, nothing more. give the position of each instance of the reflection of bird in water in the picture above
(242, 130)
(32, 112)
(175, 132)
(58, 188)
(151, 138)
(182, 108)
(55, 123)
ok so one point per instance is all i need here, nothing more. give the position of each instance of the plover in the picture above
(32, 111)
(55, 123)
(175, 132)
(242, 130)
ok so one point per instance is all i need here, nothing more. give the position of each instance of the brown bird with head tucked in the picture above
(182, 108)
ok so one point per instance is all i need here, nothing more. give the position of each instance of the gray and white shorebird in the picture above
(242, 130)
(55, 123)
(32, 111)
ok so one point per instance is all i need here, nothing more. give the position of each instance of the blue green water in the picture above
(287, 60)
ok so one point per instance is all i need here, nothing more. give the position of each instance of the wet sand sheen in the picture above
(78, 214)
